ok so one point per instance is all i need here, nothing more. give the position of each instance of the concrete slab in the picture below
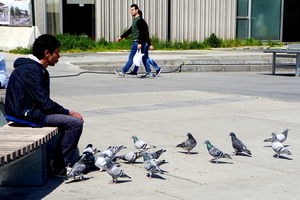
(15, 37)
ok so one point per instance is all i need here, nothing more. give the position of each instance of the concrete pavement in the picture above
(161, 111)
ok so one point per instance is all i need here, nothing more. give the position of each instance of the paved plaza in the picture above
(162, 111)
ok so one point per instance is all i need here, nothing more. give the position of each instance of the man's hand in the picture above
(151, 47)
(118, 39)
(75, 114)
(139, 46)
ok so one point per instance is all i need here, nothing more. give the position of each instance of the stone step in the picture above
(190, 68)
(197, 61)
(204, 60)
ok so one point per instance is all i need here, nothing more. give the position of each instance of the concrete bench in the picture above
(292, 51)
(23, 153)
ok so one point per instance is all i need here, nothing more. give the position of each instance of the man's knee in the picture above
(75, 124)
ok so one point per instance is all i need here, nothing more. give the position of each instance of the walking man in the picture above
(139, 41)
(151, 47)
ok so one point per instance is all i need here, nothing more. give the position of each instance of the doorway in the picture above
(291, 21)
(79, 19)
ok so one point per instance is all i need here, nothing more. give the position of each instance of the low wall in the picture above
(13, 37)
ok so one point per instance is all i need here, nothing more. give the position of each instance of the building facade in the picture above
(173, 20)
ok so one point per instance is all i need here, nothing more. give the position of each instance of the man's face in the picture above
(133, 11)
(53, 58)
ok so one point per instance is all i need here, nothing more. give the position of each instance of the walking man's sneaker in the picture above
(132, 73)
(121, 74)
(158, 72)
(147, 75)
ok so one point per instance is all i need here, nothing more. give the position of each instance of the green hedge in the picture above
(82, 43)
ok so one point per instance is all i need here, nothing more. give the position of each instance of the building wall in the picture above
(175, 20)
(188, 20)
(113, 17)
(39, 11)
(195, 20)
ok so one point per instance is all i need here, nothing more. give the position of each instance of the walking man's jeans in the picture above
(144, 49)
(130, 57)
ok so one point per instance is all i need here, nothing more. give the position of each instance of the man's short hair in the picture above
(135, 6)
(42, 43)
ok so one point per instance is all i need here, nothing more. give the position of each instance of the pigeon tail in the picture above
(226, 156)
(123, 175)
(182, 145)
(268, 140)
(157, 154)
(287, 151)
(247, 151)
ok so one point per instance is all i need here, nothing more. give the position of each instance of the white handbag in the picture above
(138, 58)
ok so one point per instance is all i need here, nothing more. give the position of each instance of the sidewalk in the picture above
(218, 60)
(161, 111)
(240, 59)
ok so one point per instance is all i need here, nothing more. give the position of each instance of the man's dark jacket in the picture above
(137, 30)
(27, 99)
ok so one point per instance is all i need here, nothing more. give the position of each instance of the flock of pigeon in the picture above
(106, 161)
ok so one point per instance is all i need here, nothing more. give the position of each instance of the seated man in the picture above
(28, 100)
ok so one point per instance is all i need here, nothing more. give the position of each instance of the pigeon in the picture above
(278, 147)
(156, 154)
(131, 157)
(114, 171)
(89, 152)
(280, 137)
(151, 165)
(100, 163)
(88, 149)
(215, 152)
(141, 145)
(189, 144)
(238, 145)
(77, 169)
(111, 151)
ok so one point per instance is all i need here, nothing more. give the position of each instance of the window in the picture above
(242, 28)
(242, 7)
(53, 16)
(266, 19)
(259, 19)
(243, 18)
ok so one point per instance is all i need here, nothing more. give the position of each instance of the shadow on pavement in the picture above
(242, 154)
(185, 152)
(220, 162)
(279, 74)
(24, 192)
(282, 157)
